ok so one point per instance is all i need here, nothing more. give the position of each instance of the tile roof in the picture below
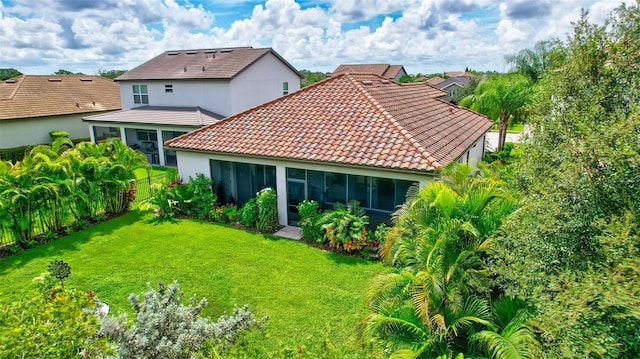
(220, 63)
(459, 74)
(50, 95)
(384, 70)
(160, 115)
(435, 80)
(350, 119)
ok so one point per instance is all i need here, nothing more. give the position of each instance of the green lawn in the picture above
(304, 290)
(513, 128)
(155, 170)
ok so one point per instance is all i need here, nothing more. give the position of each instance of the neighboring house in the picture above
(31, 106)
(451, 84)
(179, 91)
(434, 80)
(450, 74)
(392, 72)
(352, 136)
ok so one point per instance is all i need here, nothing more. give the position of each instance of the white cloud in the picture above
(424, 35)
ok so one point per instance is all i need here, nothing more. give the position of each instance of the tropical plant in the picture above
(249, 213)
(164, 327)
(267, 201)
(532, 63)
(500, 97)
(309, 221)
(438, 296)
(346, 227)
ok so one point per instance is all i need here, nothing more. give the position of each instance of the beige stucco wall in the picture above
(30, 131)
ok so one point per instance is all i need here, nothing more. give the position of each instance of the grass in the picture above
(303, 289)
(513, 128)
(156, 170)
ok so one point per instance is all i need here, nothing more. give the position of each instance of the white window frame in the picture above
(141, 94)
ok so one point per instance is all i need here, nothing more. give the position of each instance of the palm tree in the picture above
(533, 63)
(500, 97)
(435, 301)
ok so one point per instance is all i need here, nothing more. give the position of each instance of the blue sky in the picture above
(426, 36)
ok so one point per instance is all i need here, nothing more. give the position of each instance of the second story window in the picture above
(168, 88)
(140, 94)
(285, 88)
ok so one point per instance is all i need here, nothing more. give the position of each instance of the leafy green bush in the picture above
(58, 134)
(249, 213)
(194, 198)
(346, 227)
(309, 216)
(267, 211)
(164, 327)
(53, 322)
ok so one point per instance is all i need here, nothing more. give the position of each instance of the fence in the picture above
(143, 193)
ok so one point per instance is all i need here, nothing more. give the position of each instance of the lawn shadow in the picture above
(69, 243)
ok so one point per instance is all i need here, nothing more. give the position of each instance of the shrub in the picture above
(166, 328)
(194, 198)
(309, 216)
(249, 213)
(53, 322)
(346, 227)
(58, 134)
(267, 211)
(232, 213)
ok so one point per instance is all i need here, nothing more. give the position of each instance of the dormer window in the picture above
(168, 88)
(140, 94)
(285, 88)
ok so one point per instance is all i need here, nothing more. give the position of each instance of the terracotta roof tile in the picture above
(384, 70)
(358, 119)
(37, 95)
(220, 63)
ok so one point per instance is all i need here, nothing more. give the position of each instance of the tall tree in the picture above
(500, 97)
(66, 72)
(534, 62)
(573, 249)
(9, 73)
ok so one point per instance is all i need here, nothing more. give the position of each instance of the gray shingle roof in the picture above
(160, 115)
(220, 63)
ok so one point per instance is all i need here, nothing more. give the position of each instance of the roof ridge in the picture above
(256, 108)
(419, 148)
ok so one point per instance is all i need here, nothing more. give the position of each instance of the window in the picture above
(147, 135)
(237, 182)
(285, 88)
(168, 88)
(140, 94)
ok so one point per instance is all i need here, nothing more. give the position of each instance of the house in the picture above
(179, 91)
(434, 80)
(450, 74)
(31, 106)
(352, 136)
(392, 72)
(451, 84)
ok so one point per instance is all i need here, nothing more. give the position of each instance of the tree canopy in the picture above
(9, 73)
(573, 248)
(500, 97)
(110, 74)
